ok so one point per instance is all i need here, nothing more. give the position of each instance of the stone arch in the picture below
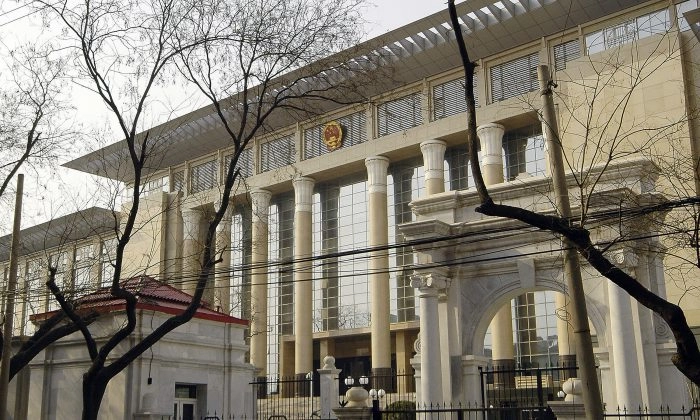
(483, 303)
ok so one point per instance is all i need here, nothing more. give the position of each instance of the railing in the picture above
(284, 398)
(398, 386)
(517, 388)
(662, 413)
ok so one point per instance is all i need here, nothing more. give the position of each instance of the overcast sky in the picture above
(63, 191)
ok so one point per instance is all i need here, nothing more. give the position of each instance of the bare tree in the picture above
(611, 128)
(33, 114)
(250, 59)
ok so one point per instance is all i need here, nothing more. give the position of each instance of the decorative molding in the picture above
(430, 283)
(433, 159)
(491, 139)
(260, 200)
(377, 167)
(303, 193)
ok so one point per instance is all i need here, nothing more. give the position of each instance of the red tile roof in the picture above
(151, 294)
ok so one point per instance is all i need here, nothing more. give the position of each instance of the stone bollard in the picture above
(572, 406)
(328, 381)
(356, 407)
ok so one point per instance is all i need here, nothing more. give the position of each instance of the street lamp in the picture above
(364, 380)
(349, 381)
(376, 395)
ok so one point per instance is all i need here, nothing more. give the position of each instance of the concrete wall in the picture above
(203, 353)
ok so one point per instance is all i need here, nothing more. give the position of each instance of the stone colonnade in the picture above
(435, 290)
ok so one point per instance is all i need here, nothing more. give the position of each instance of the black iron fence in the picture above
(398, 386)
(285, 398)
(520, 388)
(693, 413)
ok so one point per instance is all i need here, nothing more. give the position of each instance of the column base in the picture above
(504, 373)
(382, 378)
(567, 361)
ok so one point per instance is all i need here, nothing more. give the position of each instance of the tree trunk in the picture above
(93, 391)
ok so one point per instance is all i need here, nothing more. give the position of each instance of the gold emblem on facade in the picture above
(332, 135)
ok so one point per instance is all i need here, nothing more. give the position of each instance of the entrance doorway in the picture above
(185, 404)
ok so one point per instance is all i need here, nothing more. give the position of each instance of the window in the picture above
(82, 267)
(399, 114)
(203, 177)
(156, 184)
(457, 169)
(515, 77)
(341, 288)
(35, 291)
(277, 153)
(59, 261)
(565, 52)
(280, 313)
(179, 181)
(245, 163)
(407, 184)
(524, 152)
(241, 249)
(625, 32)
(108, 255)
(448, 98)
(354, 132)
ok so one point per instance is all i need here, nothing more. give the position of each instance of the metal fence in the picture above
(527, 387)
(693, 413)
(285, 398)
(398, 386)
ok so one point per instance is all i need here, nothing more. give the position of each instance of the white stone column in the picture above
(650, 379)
(377, 167)
(222, 270)
(491, 139)
(191, 246)
(328, 381)
(434, 165)
(303, 275)
(260, 200)
(624, 351)
(565, 334)
(429, 286)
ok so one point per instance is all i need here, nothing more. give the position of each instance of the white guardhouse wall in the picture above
(205, 353)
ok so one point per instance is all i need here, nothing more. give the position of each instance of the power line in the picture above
(288, 266)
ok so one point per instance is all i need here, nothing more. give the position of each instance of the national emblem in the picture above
(332, 135)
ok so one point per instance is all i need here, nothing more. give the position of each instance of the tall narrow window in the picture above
(82, 268)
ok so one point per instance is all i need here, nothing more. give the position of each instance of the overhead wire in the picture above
(288, 266)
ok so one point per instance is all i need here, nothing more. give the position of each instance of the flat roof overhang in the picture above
(413, 52)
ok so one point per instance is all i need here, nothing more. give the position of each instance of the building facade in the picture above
(312, 246)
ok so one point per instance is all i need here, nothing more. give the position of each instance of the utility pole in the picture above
(10, 303)
(592, 401)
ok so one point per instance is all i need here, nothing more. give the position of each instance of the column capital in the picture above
(260, 200)
(377, 167)
(228, 214)
(429, 284)
(191, 218)
(625, 258)
(303, 193)
(491, 139)
(434, 158)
